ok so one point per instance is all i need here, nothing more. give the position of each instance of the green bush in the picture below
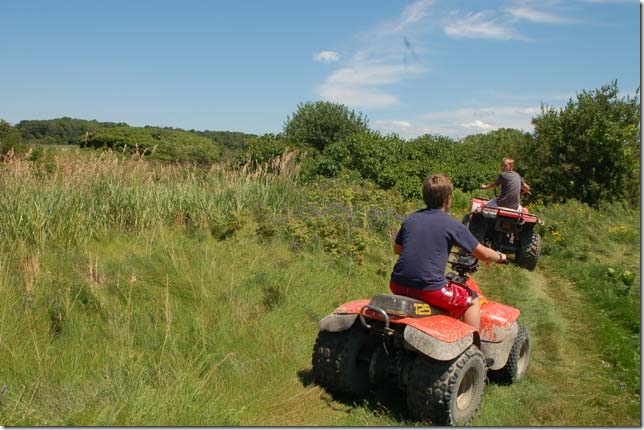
(162, 144)
(319, 124)
(588, 150)
(9, 137)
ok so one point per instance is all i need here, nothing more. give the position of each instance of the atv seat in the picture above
(404, 306)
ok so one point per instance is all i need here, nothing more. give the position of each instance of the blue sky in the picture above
(411, 67)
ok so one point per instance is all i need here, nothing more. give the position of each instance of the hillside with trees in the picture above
(587, 150)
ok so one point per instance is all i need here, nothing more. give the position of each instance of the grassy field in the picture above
(141, 294)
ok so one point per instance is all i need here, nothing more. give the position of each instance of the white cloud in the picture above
(459, 123)
(478, 124)
(392, 126)
(327, 56)
(480, 25)
(357, 97)
(379, 62)
(537, 16)
(360, 85)
(412, 14)
(608, 1)
(370, 75)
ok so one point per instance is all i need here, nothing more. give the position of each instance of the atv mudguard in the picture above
(440, 337)
(500, 350)
(499, 329)
(337, 322)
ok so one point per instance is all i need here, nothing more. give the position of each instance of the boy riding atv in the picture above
(438, 337)
(502, 223)
(423, 244)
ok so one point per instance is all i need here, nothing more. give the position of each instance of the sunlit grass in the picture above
(145, 294)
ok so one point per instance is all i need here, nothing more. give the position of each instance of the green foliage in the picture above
(159, 143)
(477, 157)
(60, 131)
(588, 150)
(261, 150)
(391, 162)
(373, 156)
(319, 124)
(9, 137)
(232, 142)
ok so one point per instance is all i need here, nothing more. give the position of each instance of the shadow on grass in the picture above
(383, 399)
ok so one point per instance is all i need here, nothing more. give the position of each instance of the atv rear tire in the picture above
(529, 249)
(446, 392)
(341, 360)
(517, 365)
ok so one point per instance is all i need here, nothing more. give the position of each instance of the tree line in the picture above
(588, 150)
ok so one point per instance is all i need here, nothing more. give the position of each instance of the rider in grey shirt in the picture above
(511, 186)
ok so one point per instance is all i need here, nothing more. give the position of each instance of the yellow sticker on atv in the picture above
(422, 309)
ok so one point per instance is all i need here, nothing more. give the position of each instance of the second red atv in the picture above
(439, 362)
(506, 230)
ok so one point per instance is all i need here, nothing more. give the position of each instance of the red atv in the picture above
(506, 230)
(439, 361)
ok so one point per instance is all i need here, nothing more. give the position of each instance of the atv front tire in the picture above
(446, 392)
(529, 249)
(341, 360)
(517, 365)
(476, 226)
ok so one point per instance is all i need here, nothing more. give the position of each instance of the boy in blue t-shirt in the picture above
(423, 244)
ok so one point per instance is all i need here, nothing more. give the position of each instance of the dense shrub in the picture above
(588, 150)
(162, 144)
(261, 150)
(9, 137)
(60, 131)
(319, 124)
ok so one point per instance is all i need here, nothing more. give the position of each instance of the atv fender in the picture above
(497, 320)
(500, 351)
(337, 322)
(440, 337)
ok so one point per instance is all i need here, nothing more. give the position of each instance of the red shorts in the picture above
(453, 298)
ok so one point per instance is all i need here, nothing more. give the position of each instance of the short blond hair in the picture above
(509, 161)
(436, 190)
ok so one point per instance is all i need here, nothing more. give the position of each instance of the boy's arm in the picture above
(525, 188)
(488, 255)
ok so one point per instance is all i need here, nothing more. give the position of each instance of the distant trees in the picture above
(588, 150)
(9, 136)
(159, 143)
(233, 142)
(60, 131)
(318, 124)
(477, 158)
(262, 149)
(390, 161)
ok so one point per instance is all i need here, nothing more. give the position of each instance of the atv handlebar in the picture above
(467, 263)
(464, 263)
(504, 261)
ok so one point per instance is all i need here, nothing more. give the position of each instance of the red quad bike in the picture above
(438, 361)
(506, 230)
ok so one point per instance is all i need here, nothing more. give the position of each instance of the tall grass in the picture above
(77, 198)
(134, 293)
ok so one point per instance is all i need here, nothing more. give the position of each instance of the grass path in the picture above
(568, 382)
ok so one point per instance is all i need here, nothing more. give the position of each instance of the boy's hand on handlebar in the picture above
(503, 259)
